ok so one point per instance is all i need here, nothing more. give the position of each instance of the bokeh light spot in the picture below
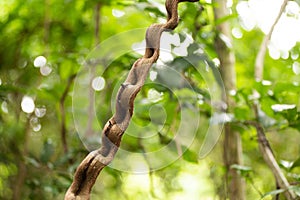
(40, 112)
(45, 70)
(27, 104)
(40, 61)
(98, 83)
(117, 13)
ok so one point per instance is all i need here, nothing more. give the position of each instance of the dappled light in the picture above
(154, 96)
(40, 112)
(45, 70)
(296, 68)
(35, 125)
(144, 99)
(153, 75)
(237, 33)
(118, 13)
(4, 107)
(40, 61)
(285, 35)
(98, 83)
(282, 107)
(27, 104)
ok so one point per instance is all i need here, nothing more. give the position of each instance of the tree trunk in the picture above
(232, 142)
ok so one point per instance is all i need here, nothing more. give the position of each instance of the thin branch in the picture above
(91, 108)
(97, 22)
(47, 26)
(265, 148)
(22, 168)
(259, 61)
(254, 186)
(89, 130)
(62, 100)
(89, 169)
(270, 159)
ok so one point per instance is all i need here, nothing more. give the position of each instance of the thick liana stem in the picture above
(89, 169)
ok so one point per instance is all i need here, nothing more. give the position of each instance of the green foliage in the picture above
(296, 164)
(64, 33)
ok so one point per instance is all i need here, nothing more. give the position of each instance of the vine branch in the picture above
(270, 159)
(260, 58)
(62, 100)
(89, 169)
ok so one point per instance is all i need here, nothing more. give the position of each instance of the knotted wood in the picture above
(89, 169)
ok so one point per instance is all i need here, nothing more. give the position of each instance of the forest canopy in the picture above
(221, 105)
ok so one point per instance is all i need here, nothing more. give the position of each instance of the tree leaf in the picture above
(244, 170)
(241, 168)
(296, 164)
(190, 156)
(273, 193)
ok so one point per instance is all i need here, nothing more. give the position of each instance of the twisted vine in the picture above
(89, 169)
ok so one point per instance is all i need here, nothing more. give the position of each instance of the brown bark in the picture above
(89, 169)
(269, 158)
(62, 100)
(97, 22)
(232, 141)
(264, 146)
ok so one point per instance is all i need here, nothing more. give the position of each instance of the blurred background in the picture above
(44, 44)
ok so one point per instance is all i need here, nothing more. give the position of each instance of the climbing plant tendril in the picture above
(89, 169)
